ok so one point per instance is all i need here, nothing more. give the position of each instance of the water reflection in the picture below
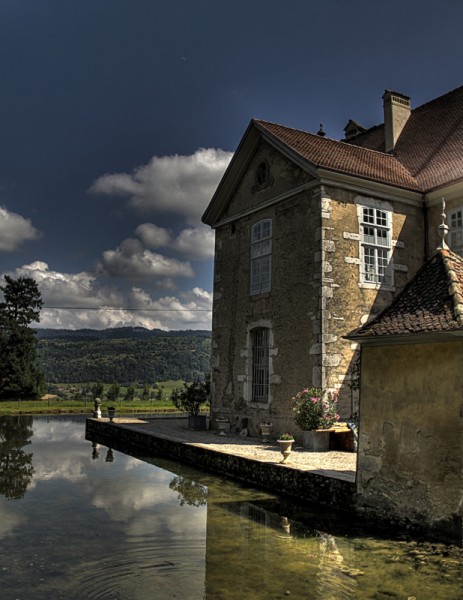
(189, 491)
(16, 468)
(135, 528)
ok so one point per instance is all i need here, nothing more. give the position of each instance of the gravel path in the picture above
(339, 465)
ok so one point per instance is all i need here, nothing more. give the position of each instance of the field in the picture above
(71, 400)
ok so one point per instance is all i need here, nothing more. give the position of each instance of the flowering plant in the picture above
(315, 409)
(286, 437)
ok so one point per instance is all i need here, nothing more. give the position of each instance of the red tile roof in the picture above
(428, 153)
(431, 302)
(339, 156)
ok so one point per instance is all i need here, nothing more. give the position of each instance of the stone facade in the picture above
(316, 294)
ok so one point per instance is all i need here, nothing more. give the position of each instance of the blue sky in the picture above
(118, 118)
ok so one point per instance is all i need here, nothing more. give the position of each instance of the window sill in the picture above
(261, 295)
(377, 286)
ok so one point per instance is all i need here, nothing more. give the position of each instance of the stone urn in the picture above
(286, 447)
(111, 412)
(265, 430)
(222, 425)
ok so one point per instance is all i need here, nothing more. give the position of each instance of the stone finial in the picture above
(321, 131)
(443, 228)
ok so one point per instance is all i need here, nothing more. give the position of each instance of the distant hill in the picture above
(116, 333)
(123, 355)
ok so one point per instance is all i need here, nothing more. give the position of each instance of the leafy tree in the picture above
(22, 301)
(192, 396)
(145, 395)
(97, 390)
(113, 393)
(19, 373)
(130, 393)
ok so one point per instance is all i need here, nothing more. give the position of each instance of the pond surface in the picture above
(81, 521)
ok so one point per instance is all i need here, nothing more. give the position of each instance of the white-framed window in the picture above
(260, 369)
(261, 257)
(375, 246)
(456, 231)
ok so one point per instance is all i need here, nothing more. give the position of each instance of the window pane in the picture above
(368, 215)
(381, 218)
(260, 364)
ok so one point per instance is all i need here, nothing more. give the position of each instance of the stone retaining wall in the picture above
(317, 489)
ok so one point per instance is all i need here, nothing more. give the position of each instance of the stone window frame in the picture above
(455, 221)
(379, 220)
(247, 354)
(261, 257)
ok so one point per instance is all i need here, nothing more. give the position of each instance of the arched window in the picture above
(260, 346)
(261, 257)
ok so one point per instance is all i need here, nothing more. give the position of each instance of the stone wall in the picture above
(315, 298)
(303, 485)
(410, 444)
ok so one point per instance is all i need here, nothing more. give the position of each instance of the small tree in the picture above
(130, 393)
(191, 397)
(97, 390)
(145, 395)
(113, 393)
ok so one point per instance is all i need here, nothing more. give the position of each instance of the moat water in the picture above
(81, 521)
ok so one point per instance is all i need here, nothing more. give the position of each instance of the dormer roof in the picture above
(432, 302)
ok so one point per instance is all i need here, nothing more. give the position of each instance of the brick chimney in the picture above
(396, 112)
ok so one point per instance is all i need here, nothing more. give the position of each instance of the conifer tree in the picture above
(19, 374)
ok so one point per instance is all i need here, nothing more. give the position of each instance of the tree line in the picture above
(125, 360)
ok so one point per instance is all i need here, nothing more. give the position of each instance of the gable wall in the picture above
(249, 194)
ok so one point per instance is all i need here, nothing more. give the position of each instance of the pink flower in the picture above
(314, 399)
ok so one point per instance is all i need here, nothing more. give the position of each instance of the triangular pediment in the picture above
(261, 170)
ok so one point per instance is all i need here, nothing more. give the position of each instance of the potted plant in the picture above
(265, 430)
(315, 412)
(111, 411)
(285, 441)
(190, 399)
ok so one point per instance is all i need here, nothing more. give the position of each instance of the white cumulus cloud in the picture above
(132, 260)
(15, 230)
(196, 243)
(153, 236)
(178, 184)
(78, 301)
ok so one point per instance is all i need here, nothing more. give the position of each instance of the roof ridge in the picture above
(455, 288)
(344, 143)
(439, 98)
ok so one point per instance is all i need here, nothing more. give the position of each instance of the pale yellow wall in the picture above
(411, 425)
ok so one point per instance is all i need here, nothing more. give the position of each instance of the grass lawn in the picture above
(51, 404)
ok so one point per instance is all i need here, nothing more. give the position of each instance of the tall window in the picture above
(260, 341)
(261, 256)
(456, 231)
(375, 233)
